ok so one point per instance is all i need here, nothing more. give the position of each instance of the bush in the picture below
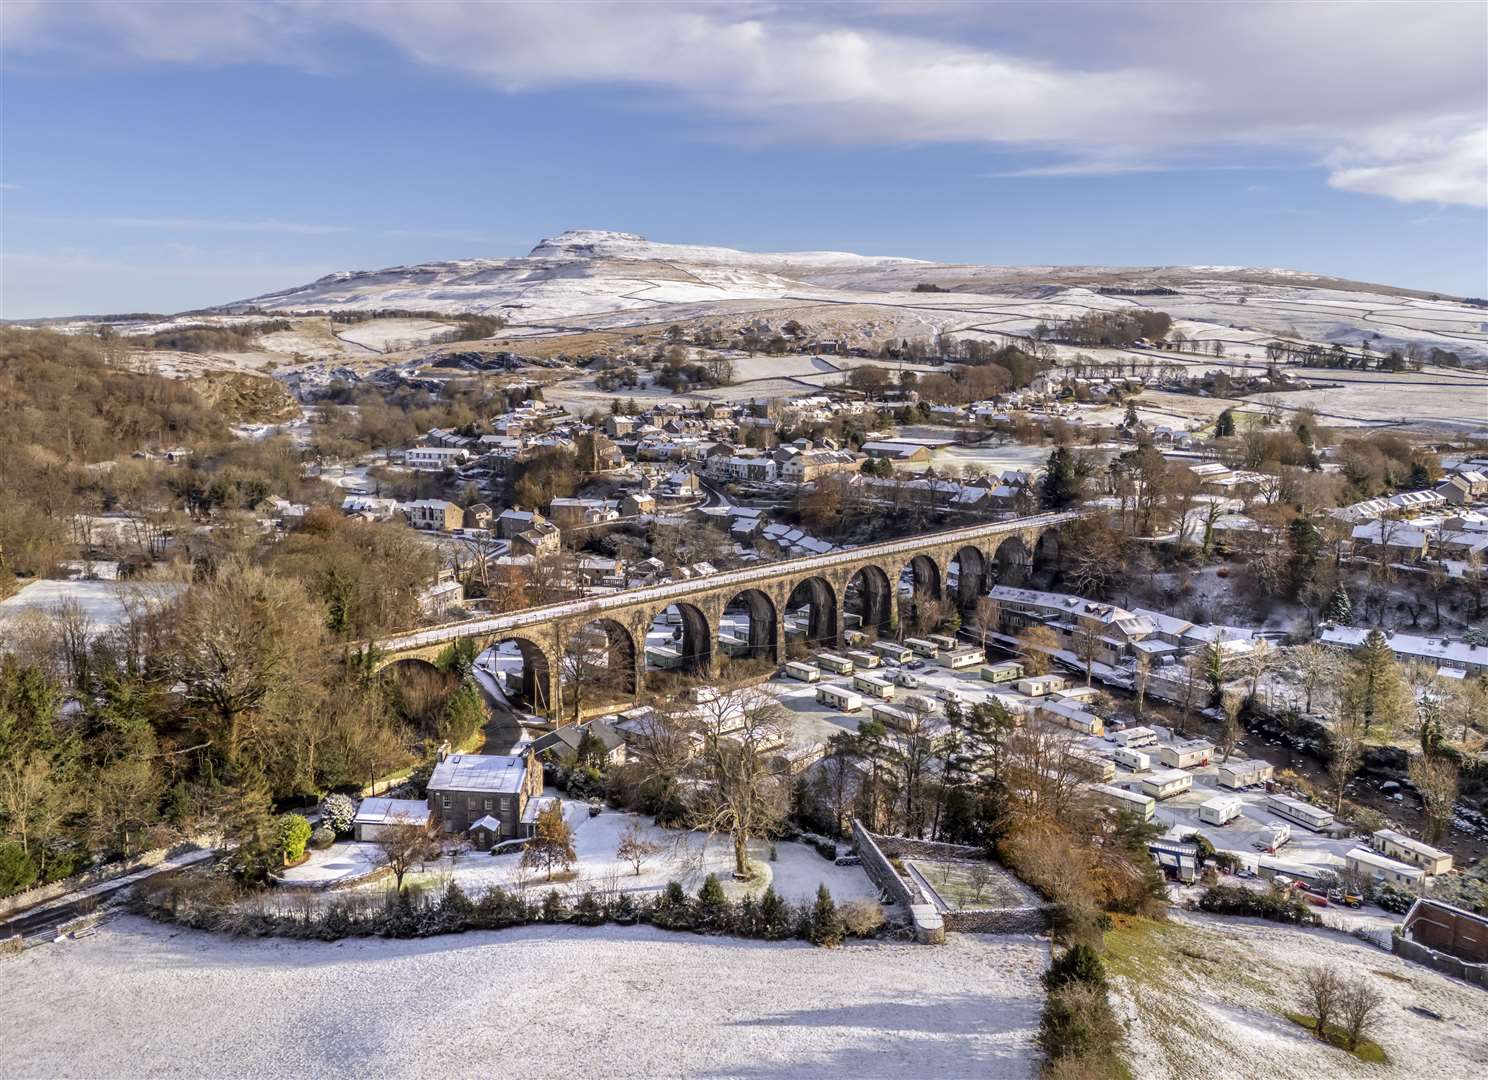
(1238, 900)
(713, 909)
(293, 834)
(826, 928)
(322, 838)
(588, 912)
(1078, 1023)
(673, 911)
(1395, 900)
(1078, 964)
(862, 918)
(553, 907)
(774, 915)
(336, 813)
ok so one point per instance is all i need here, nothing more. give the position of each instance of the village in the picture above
(1070, 655)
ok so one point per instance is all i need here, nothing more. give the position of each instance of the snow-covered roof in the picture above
(479, 772)
(392, 811)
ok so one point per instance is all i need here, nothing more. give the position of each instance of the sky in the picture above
(161, 157)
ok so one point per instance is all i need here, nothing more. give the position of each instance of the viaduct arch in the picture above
(865, 579)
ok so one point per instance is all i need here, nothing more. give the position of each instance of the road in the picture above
(41, 920)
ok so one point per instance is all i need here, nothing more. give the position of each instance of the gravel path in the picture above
(140, 999)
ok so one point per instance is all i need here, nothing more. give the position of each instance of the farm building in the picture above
(1447, 929)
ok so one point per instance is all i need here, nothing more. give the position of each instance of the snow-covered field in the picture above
(103, 602)
(389, 335)
(141, 999)
(1205, 997)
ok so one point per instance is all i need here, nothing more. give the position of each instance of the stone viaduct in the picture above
(960, 564)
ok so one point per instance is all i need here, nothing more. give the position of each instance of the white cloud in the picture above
(1099, 88)
(1417, 167)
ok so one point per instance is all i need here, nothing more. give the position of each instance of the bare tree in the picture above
(1321, 992)
(1141, 677)
(1435, 780)
(1087, 646)
(744, 788)
(1034, 646)
(1318, 667)
(634, 848)
(1230, 730)
(404, 843)
(1359, 1003)
(1348, 748)
(1258, 662)
(986, 619)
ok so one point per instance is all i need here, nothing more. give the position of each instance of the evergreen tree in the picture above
(1224, 427)
(774, 915)
(1420, 477)
(1061, 484)
(826, 927)
(1339, 609)
(1375, 690)
(1306, 543)
(712, 904)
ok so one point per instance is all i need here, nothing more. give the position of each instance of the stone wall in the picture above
(926, 849)
(1447, 965)
(881, 871)
(1024, 920)
(875, 852)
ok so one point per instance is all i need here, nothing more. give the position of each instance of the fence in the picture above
(1447, 965)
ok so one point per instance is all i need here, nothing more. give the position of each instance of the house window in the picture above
(471, 804)
(444, 801)
(488, 804)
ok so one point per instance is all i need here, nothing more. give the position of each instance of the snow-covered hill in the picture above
(587, 279)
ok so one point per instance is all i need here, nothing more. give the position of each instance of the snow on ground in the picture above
(340, 862)
(103, 602)
(686, 857)
(389, 335)
(1205, 996)
(541, 1001)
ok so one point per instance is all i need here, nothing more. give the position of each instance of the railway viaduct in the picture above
(960, 564)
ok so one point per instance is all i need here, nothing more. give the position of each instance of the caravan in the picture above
(838, 698)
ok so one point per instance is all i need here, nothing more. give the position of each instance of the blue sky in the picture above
(155, 158)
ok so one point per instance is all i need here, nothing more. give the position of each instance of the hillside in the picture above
(586, 280)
